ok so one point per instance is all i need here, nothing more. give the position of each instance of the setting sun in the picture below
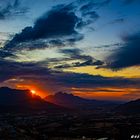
(33, 91)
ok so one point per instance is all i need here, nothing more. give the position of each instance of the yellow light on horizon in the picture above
(33, 91)
(131, 72)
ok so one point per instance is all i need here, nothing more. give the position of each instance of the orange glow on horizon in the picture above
(99, 93)
(107, 93)
(33, 91)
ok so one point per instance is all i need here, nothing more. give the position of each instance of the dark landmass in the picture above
(28, 117)
(130, 108)
(65, 126)
(13, 100)
(76, 102)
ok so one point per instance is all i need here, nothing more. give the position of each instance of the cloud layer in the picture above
(61, 29)
(55, 80)
(62, 22)
(128, 54)
(12, 10)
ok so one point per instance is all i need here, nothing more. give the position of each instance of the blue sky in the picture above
(117, 18)
(97, 37)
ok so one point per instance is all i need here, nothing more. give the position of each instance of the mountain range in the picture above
(72, 101)
(22, 101)
(12, 100)
(129, 108)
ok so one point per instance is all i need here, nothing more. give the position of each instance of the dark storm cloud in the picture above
(12, 9)
(64, 81)
(128, 55)
(59, 22)
(46, 43)
(90, 81)
(71, 52)
(76, 54)
(81, 64)
(36, 72)
(4, 54)
(10, 69)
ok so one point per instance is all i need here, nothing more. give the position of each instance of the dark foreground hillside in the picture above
(64, 126)
(28, 117)
(130, 108)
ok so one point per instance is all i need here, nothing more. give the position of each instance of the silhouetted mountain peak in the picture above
(7, 90)
(72, 101)
(63, 94)
(60, 92)
(67, 97)
(19, 100)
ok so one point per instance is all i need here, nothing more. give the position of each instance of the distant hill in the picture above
(129, 108)
(72, 101)
(22, 101)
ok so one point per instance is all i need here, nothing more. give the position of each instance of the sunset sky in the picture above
(90, 48)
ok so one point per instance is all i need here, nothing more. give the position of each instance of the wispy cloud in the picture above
(81, 59)
(12, 10)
